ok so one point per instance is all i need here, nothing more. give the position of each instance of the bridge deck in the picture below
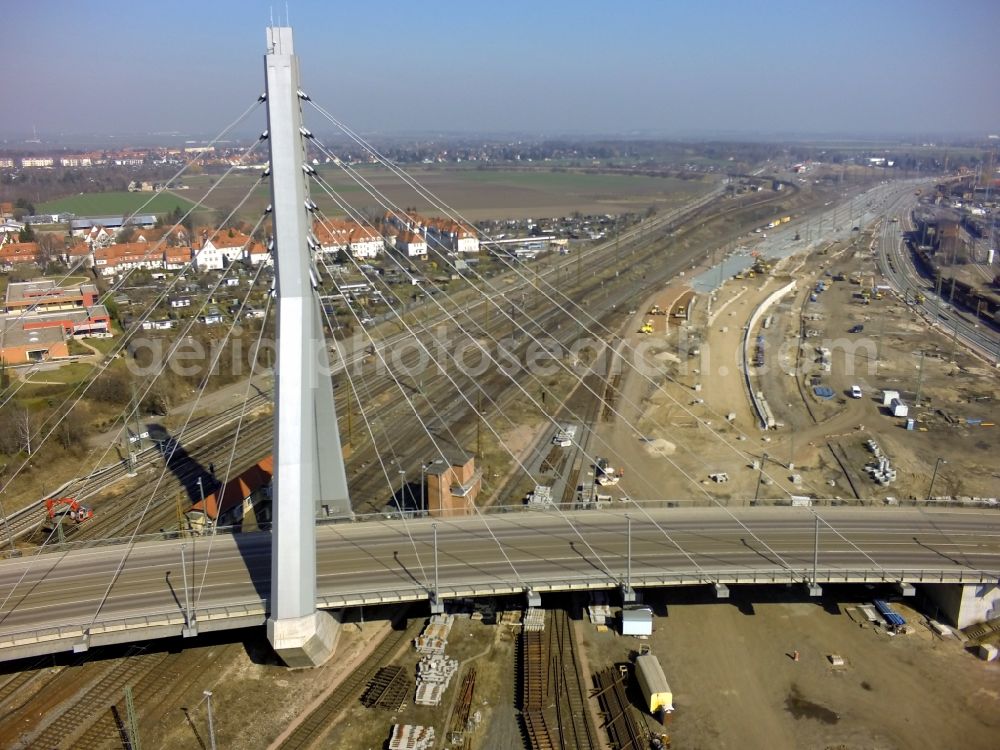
(58, 601)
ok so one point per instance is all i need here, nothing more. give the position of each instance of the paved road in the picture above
(897, 267)
(372, 561)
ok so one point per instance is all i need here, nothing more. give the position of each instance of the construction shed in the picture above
(653, 683)
(637, 621)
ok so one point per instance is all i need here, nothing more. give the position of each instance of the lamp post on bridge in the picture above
(423, 498)
(628, 593)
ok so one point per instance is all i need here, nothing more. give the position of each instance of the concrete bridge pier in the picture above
(307, 641)
(309, 467)
(966, 604)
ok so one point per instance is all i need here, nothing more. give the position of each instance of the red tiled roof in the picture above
(238, 489)
(19, 252)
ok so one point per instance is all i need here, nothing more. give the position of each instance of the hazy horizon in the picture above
(724, 70)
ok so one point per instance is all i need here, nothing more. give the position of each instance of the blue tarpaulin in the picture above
(891, 617)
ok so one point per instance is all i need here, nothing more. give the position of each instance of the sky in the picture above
(545, 67)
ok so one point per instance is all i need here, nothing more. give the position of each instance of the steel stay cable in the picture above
(429, 196)
(83, 386)
(378, 454)
(328, 189)
(490, 427)
(184, 168)
(434, 442)
(232, 454)
(131, 539)
(38, 552)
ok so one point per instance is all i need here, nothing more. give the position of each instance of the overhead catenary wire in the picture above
(429, 196)
(122, 278)
(187, 165)
(82, 387)
(176, 442)
(524, 330)
(38, 552)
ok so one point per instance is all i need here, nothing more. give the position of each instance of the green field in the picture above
(584, 182)
(101, 204)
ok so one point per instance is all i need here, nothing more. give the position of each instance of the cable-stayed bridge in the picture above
(296, 572)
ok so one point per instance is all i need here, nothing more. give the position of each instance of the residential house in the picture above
(177, 258)
(28, 162)
(14, 253)
(450, 236)
(258, 253)
(211, 317)
(221, 249)
(164, 324)
(126, 256)
(411, 244)
(10, 230)
(79, 255)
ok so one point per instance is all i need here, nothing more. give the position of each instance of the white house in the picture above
(411, 244)
(222, 249)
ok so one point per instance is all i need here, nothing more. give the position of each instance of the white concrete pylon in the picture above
(309, 467)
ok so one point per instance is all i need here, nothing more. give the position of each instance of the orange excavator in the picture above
(68, 506)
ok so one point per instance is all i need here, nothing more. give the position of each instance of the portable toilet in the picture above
(911, 423)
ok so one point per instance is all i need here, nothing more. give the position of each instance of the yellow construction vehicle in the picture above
(657, 310)
(647, 327)
(921, 298)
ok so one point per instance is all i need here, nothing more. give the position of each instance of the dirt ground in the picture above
(691, 416)
(491, 650)
(735, 684)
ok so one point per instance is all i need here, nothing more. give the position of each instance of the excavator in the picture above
(657, 310)
(68, 507)
(647, 327)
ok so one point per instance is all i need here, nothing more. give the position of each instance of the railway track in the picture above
(368, 487)
(619, 719)
(553, 696)
(317, 723)
(71, 725)
(576, 730)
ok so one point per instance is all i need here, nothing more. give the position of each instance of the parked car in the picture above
(856, 391)
(856, 329)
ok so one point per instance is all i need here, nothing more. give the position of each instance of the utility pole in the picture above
(878, 343)
(760, 478)
(350, 415)
(479, 425)
(930, 489)
(132, 719)
(920, 379)
(434, 526)
(211, 725)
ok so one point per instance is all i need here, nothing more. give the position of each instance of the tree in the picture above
(27, 234)
(126, 234)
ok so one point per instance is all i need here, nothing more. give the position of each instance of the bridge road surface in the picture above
(52, 601)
